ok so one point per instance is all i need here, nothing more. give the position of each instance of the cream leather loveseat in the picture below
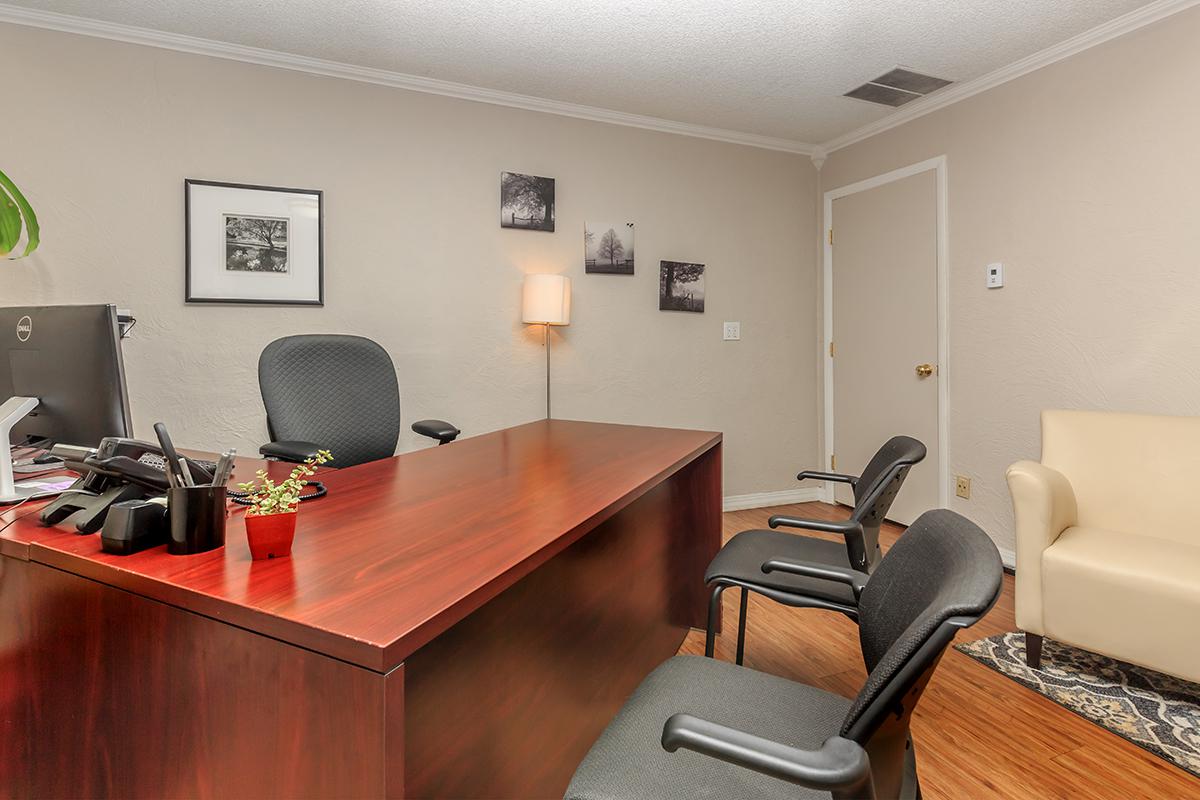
(1108, 538)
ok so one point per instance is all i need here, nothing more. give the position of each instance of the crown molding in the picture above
(1120, 26)
(818, 156)
(1127, 23)
(398, 80)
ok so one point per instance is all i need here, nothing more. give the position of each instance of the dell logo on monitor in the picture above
(24, 328)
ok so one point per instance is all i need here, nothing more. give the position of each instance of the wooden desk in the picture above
(461, 621)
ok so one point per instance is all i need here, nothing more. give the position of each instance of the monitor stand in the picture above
(12, 412)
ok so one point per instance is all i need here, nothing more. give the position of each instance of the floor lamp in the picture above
(546, 301)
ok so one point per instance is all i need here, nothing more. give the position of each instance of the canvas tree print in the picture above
(526, 201)
(608, 249)
(680, 286)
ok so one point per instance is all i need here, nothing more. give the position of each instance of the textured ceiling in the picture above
(770, 67)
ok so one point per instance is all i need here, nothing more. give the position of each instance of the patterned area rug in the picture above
(1152, 710)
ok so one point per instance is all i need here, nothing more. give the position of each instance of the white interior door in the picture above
(885, 328)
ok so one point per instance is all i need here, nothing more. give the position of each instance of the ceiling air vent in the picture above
(897, 87)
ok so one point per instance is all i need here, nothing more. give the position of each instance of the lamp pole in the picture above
(546, 301)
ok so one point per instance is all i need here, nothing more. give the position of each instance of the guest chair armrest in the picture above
(845, 527)
(851, 577)
(841, 766)
(296, 452)
(836, 477)
(852, 529)
(444, 432)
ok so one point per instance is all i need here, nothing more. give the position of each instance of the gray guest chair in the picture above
(739, 562)
(749, 734)
(337, 393)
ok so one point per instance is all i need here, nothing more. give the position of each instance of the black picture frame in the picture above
(187, 244)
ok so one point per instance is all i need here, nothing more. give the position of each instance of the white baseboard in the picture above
(740, 502)
(1008, 557)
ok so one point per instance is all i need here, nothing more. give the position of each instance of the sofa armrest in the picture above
(1043, 507)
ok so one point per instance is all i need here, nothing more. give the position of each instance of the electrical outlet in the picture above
(962, 487)
(733, 331)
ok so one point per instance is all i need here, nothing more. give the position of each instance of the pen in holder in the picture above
(197, 519)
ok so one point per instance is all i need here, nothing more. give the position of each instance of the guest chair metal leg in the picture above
(1033, 650)
(714, 608)
(741, 646)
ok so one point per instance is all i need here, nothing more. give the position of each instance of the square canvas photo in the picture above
(526, 201)
(608, 248)
(680, 286)
(256, 244)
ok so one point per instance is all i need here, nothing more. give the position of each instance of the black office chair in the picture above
(758, 735)
(739, 562)
(336, 393)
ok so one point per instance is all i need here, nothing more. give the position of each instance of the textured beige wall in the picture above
(101, 135)
(1082, 179)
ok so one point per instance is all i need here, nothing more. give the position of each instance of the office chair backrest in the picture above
(941, 576)
(337, 391)
(877, 488)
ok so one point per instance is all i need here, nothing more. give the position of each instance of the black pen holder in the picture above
(197, 519)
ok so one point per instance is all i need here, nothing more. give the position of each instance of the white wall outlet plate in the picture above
(995, 276)
(733, 331)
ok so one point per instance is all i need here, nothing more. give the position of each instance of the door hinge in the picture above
(831, 349)
(831, 235)
(832, 462)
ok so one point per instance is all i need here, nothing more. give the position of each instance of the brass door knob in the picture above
(924, 370)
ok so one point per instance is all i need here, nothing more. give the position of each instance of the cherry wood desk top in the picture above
(401, 549)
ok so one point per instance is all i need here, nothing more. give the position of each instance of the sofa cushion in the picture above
(1128, 596)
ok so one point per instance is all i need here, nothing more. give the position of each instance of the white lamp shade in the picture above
(546, 299)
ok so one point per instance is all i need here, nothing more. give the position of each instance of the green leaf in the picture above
(10, 224)
(32, 228)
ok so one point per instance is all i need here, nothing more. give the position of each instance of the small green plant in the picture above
(15, 214)
(268, 497)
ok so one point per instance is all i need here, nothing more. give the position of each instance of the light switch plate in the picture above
(995, 276)
(733, 331)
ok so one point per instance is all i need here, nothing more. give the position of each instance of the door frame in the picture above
(938, 165)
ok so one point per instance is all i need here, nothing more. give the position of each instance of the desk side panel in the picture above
(696, 530)
(507, 702)
(107, 694)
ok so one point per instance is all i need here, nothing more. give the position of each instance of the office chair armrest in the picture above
(836, 477)
(851, 577)
(841, 766)
(296, 452)
(842, 526)
(444, 432)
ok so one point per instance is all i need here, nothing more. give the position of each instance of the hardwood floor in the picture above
(977, 734)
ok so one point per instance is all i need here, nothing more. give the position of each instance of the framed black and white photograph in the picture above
(680, 286)
(608, 248)
(526, 201)
(253, 244)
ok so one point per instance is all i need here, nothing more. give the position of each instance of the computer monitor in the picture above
(69, 359)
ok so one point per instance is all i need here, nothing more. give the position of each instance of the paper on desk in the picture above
(55, 484)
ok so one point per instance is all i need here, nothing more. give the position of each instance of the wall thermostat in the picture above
(995, 276)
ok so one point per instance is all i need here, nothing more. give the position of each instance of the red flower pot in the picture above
(270, 535)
